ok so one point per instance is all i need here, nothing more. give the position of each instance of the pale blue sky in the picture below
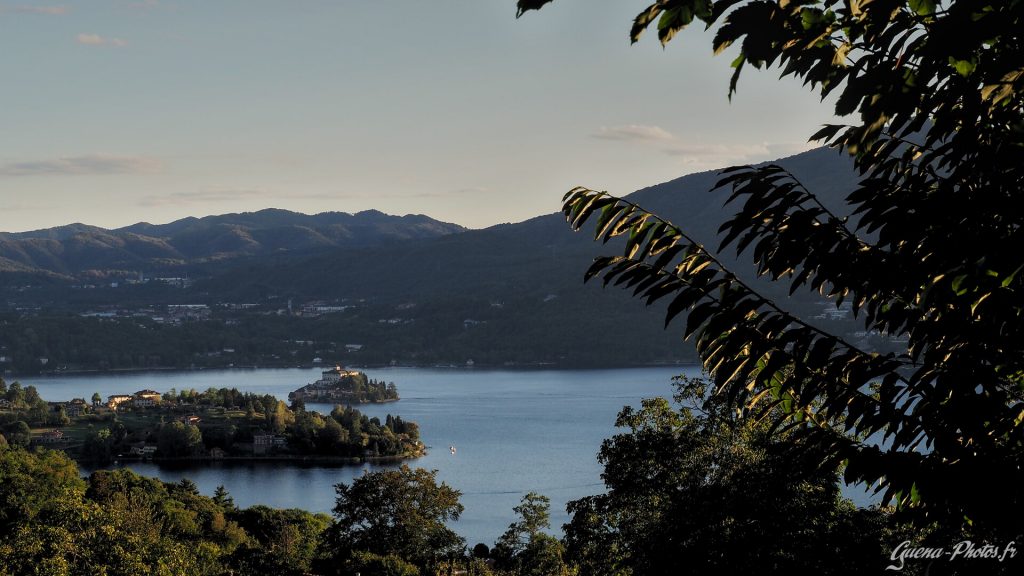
(120, 111)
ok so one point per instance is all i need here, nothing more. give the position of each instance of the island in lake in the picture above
(341, 386)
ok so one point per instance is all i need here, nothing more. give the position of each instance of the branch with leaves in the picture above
(930, 254)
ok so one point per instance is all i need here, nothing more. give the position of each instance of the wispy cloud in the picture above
(97, 40)
(633, 132)
(45, 10)
(82, 165)
(711, 155)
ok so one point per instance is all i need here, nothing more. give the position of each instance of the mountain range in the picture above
(415, 290)
(182, 245)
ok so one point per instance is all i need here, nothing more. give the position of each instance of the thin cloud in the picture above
(94, 164)
(97, 40)
(718, 155)
(634, 133)
(45, 10)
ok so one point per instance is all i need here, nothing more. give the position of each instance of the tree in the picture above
(96, 399)
(18, 433)
(331, 438)
(178, 439)
(930, 254)
(223, 498)
(719, 493)
(370, 564)
(524, 548)
(395, 512)
(32, 484)
(481, 551)
(60, 418)
(16, 395)
(283, 541)
(32, 397)
(98, 447)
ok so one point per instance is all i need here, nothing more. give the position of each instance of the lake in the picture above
(515, 431)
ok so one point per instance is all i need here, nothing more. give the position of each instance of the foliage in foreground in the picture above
(931, 254)
(719, 494)
(400, 513)
(688, 491)
(119, 523)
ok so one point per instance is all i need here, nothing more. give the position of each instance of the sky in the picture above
(121, 111)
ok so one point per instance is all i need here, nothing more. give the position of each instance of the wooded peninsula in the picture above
(212, 425)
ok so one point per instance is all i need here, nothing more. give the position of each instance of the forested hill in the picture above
(182, 247)
(537, 257)
(509, 294)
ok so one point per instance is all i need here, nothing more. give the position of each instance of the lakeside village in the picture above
(217, 424)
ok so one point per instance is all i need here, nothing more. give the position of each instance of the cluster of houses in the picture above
(78, 406)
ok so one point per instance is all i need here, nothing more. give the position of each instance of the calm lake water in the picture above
(514, 432)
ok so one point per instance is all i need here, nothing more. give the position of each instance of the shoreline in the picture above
(286, 458)
(483, 367)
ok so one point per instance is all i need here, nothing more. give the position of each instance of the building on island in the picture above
(333, 376)
(76, 407)
(339, 385)
(146, 398)
(141, 399)
(325, 387)
(117, 400)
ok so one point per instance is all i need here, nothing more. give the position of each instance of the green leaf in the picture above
(673, 21)
(697, 317)
(961, 284)
(922, 7)
(643, 20)
(963, 67)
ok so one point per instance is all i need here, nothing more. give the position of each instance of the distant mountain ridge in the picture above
(541, 254)
(511, 294)
(75, 248)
